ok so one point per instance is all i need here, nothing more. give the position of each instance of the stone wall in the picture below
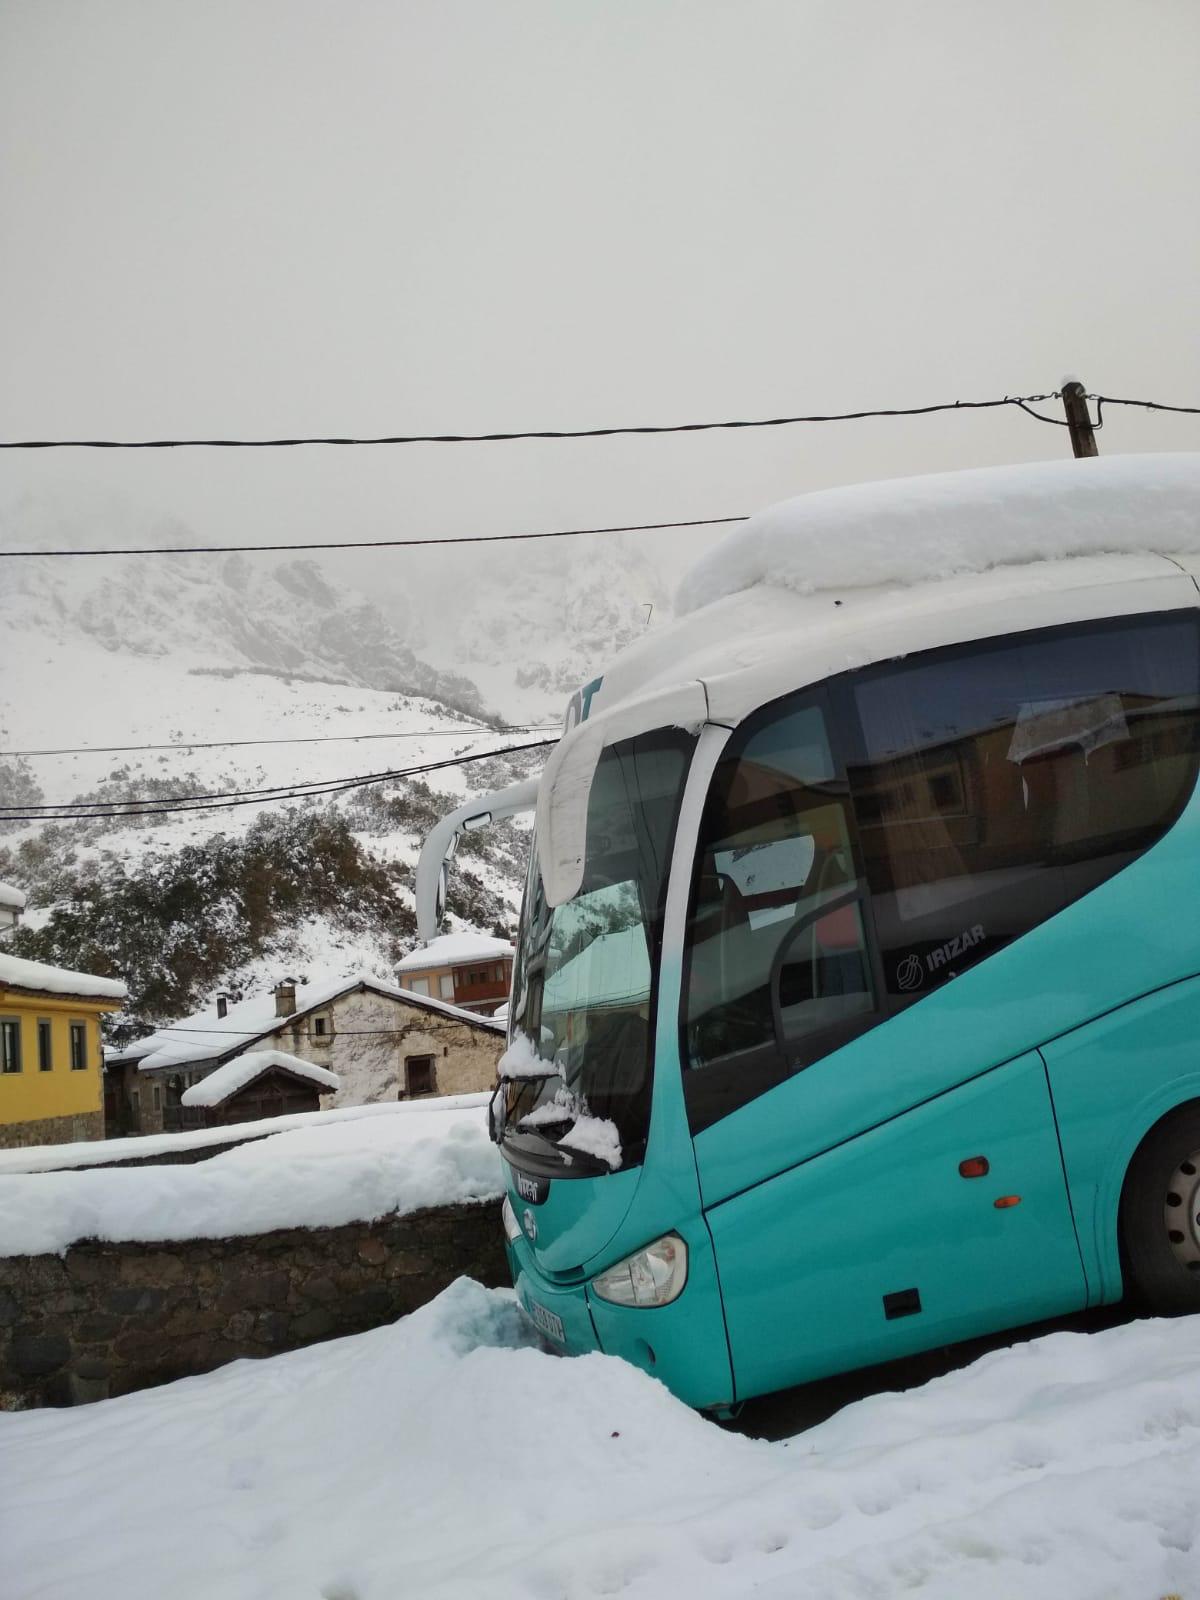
(70, 1129)
(104, 1319)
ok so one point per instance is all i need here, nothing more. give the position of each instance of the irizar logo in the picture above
(959, 945)
(527, 1188)
(910, 974)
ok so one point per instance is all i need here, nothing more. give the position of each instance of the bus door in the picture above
(869, 1193)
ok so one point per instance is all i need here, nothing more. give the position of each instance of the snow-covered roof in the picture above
(242, 1070)
(132, 1052)
(12, 897)
(17, 973)
(205, 1035)
(908, 530)
(454, 950)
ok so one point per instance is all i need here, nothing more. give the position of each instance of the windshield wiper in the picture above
(582, 1161)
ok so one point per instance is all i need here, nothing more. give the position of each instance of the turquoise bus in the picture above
(856, 1007)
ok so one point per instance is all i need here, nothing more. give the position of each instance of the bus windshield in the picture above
(583, 986)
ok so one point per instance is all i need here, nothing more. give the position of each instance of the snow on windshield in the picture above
(909, 530)
(521, 1060)
(595, 1136)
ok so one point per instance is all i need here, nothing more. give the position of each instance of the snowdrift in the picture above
(446, 1456)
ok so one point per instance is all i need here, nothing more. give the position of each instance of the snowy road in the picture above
(446, 1456)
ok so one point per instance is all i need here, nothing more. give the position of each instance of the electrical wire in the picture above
(1145, 405)
(89, 810)
(323, 738)
(375, 544)
(1025, 403)
(529, 433)
(279, 1022)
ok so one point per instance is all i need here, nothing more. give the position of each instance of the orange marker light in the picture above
(1006, 1200)
(974, 1167)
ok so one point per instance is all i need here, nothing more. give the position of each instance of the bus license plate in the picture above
(546, 1321)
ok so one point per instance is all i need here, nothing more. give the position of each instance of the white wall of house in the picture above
(373, 1036)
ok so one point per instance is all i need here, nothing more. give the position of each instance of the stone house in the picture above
(469, 970)
(383, 1042)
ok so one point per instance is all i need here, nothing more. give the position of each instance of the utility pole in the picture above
(1074, 399)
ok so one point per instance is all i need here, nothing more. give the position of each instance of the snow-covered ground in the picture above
(448, 1456)
(329, 1170)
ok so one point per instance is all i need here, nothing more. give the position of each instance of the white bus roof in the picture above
(843, 577)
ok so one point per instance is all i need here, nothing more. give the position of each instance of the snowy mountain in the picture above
(229, 613)
(533, 631)
(194, 651)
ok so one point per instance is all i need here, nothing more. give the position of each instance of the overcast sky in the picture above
(282, 216)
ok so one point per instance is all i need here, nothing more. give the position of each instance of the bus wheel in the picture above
(1160, 1214)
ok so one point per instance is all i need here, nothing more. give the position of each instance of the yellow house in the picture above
(50, 1055)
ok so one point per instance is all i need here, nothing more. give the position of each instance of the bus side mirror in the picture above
(497, 1114)
(432, 872)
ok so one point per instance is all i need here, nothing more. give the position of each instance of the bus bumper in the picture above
(560, 1314)
(682, 1344)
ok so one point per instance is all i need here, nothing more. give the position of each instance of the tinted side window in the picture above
(995, 784)
(777, 956)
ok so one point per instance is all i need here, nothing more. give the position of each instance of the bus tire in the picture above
(1160, 1215)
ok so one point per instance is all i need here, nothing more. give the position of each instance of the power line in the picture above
(375, 544)
(323, 738)
(293, 787)
(240, 1033)
(530, 433)
(1025, 403)
(1146, 405)
(88, 810)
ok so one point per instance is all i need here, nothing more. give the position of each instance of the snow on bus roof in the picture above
(911, 530)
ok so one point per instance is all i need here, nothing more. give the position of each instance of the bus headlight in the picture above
(653, 1277)
(512, 1228)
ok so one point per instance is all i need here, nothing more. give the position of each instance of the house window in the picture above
(446, 984)
(79, 1047)
(420, 985)
(419, 1076)
(10, 1044)
(45, 1048)
(157, 1098)
(322, 1029)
